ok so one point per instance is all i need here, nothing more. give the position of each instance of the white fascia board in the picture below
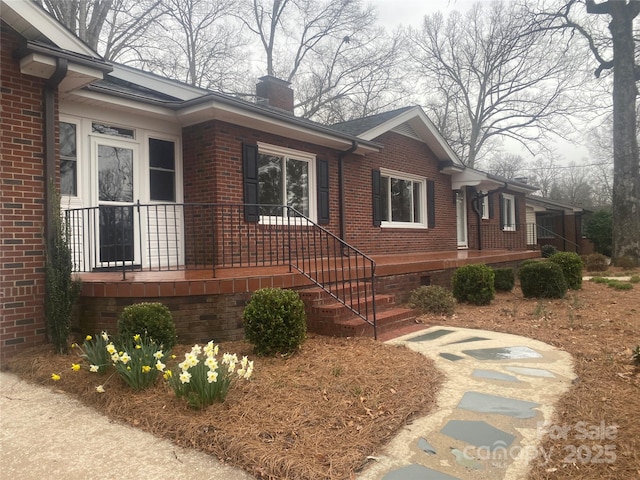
(35, 17)
(474, 178)
(156, 82)
(421, 124)
(124, 104)
(236, 115)
(43, 66)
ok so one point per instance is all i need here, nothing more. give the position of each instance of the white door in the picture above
(461, 219)
(115, 164)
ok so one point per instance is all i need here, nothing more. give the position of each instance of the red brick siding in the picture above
(21, 204)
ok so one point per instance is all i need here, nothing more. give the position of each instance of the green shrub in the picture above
(275, 321)
(599, 280)
(635, 279)
(543, 280)
(150, 321)
(548, 250)
(504, 279)
(625, 262)
(571, 265)
(596, 262)
(433, 299)
(599, 229)
(618, 285)
(474, 284)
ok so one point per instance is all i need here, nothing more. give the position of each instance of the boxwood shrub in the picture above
(275, 321)
(504, 279)
(149, 320)
(571, 265)
(542, 280)
(474, 284)
(432, 299)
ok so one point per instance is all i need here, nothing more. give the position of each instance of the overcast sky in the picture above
(392, 13)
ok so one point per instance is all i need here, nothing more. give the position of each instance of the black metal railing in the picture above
(164, 237)
(547, 236)
(508, 237)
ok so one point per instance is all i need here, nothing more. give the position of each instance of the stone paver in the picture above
(499, 392)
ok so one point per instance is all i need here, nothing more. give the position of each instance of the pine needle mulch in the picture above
(317, 414)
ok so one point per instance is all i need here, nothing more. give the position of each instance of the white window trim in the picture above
(74, 199)
(423, 190)
(510, 225)
(485, 205)
(269, 149)
(144, 146)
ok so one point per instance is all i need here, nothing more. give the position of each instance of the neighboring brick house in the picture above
(161, 177)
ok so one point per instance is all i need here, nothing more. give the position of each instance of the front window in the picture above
(403, 199)
(508, 213)
(484, 205)
(68, 159)
(545, 226)
(162, 170)
(284, 178)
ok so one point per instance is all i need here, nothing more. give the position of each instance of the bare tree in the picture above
(110, 27)
(544, 175)
(198, 44)
(574, 185)
(503, 78)
(617, 53)
(507, 165)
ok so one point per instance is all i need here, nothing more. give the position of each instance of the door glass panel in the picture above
(116, 233)
(115, 174)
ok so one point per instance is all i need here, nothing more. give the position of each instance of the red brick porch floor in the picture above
(153, 284)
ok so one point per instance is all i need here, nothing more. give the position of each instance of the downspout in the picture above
(475, 204)
(341, 155)
(49, 110)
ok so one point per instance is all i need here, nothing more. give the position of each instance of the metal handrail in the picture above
(170, 236)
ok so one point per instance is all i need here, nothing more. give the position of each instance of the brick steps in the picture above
(327, 316)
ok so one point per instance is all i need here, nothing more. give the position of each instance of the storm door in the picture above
(116, 168)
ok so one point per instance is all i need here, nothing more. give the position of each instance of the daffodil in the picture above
(100, 389)
(136, 337)
(160, 366)
(158, 355)
(196, 350)
(94, 368)
(146, 368)
(185, 377)
(105, 337)
(212, 376)
(111, 349)
(115, 358)
(75, 367)
(88, 338)
(74, 345)
(138, 347)
(167, 375)
(124, 358)
(55, 377)
(211, 362)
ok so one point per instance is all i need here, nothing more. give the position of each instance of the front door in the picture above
(115, 164)
(461, 219)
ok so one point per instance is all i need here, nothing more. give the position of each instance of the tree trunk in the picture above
(626, 163)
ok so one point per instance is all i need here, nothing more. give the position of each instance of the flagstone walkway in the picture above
(493, 409)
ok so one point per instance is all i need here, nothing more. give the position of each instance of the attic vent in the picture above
(405, 129)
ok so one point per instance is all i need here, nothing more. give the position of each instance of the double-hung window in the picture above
(484, 205)
(286, 177)
(402, 200)
(68, 159)
(508, 212)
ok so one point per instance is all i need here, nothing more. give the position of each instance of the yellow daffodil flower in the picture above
(75, 367)
(55, 377)
(146, 368)
(88, 338)
(94, 368)
(100, 389)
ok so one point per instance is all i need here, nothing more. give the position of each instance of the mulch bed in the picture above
(317, 414)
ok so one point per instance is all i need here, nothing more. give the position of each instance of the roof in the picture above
(361, 125)
(549, 204)
(487, 181)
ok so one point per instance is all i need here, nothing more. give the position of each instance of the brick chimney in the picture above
(276, 92)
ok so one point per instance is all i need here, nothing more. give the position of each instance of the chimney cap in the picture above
(271, 78)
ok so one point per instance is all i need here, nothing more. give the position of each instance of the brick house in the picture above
(177, 194)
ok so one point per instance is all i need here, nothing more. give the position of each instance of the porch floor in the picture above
(179, 283)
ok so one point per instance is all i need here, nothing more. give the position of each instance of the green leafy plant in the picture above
(542, 280)
(150, 321)
(571, 265)
(635, 355)
(137, 360)
(599, 280)
(94, 352)
(599, 229)
(504, 280)
(635, 279)
(432, 299)
(61, 289)
(203, 380)
(275, 321)
(474, 284)
(548, 250)
(618, 285)
(596, 262)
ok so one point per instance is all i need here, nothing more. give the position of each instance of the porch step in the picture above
(327, 316)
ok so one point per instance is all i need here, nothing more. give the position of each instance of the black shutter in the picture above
(322, 167)
(489, 198)
(377, 198)
(250, 180)
(516, 211)
(431, 204)
(501, 212)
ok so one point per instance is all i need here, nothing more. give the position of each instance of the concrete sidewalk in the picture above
(498, 392)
